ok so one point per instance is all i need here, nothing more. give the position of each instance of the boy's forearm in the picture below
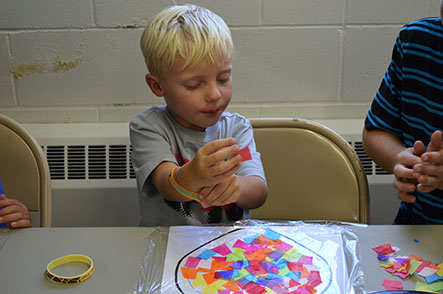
(253, 192)
(382, 147)
(160, 179)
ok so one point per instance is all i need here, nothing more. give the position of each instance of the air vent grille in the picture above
(370, 167)
(89, 162)
(76, 163)
(56, 161)
(95, 162)
(118, 162)
(380, 171)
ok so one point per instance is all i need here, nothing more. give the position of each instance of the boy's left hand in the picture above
(15, 213)
(224, 192)
(429, 174)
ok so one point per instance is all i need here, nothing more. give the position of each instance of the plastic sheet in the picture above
(252, 257)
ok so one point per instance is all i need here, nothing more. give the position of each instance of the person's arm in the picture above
(215, 162)
(15, 213)
(247, 192)
(253, 192)
(388, 152)
(383, 148)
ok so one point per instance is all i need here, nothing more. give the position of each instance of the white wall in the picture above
(79, 61)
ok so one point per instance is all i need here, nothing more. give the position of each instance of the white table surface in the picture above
(117, 254)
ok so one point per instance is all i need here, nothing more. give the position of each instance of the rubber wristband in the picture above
(68, 259)
(183, 191)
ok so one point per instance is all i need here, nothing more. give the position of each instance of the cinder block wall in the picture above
(64, 61)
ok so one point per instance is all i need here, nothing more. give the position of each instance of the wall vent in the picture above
(370, 167)
(101, 162)
(89, 162)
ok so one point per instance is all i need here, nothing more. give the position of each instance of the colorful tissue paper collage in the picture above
(257, 264)
(429, 275)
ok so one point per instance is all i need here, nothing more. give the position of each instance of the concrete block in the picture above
(382, 11)
(52, 115)
(434, 8)
(127, 14)
(315, 111)
(286, 64)
(313, 12)
(245, 110)
(122, 113)
(368, 51)
(234, 12)
(7, 95)
(79, 68)
(21, 14)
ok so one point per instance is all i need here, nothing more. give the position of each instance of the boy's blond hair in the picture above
(188, 31)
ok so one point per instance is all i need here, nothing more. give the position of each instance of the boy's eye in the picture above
(223, 81)
(192, 87)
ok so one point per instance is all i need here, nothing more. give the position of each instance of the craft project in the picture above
(224, 260)
(411, 265)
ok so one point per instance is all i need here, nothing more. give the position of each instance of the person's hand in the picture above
(405, 180)
(15, 213)
(225, 192)
(215, 162)
(429, 173)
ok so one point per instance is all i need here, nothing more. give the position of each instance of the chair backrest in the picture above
(24, 169)
(311, 171)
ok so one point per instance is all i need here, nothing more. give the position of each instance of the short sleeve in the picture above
(245, 137)
(148, 149)
(385, 111)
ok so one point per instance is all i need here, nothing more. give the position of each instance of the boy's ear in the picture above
(154, 84)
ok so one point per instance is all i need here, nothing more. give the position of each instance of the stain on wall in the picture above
(23, 70)
(58, 66)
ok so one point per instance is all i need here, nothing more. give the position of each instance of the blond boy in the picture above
(186, 154)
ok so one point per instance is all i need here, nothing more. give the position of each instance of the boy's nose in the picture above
(213, 92)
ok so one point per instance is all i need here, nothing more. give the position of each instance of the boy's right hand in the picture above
(216, 161)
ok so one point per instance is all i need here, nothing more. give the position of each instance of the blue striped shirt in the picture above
(409, 102)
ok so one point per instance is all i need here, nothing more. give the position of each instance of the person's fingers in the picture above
(401, 171)
(425, 188)
(435, 144)
(224, 154)
(226, 168)
(13, 216)
(435, 157)
(216, 145)
(404, 186)
(406, 197)
(419, 148)
(22, 223)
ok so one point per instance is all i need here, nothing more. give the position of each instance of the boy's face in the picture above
(196, 97)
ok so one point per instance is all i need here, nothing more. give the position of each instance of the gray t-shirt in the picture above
(156, 137)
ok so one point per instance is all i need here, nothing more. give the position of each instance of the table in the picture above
(118, 253)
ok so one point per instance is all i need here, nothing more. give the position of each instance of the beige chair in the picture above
(312, 173)
(24, 169)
